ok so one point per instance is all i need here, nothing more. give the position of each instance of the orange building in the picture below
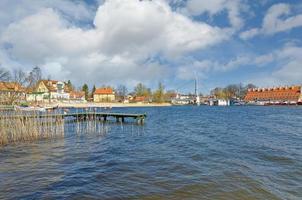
(11, 92)
(276, 94)
(104, 95)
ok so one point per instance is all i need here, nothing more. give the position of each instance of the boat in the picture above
(30, 109)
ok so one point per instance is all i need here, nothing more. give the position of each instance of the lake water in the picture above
(180, 153)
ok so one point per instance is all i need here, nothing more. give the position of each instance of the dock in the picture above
(85, 116)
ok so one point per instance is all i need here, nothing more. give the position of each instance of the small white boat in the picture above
(30, 109)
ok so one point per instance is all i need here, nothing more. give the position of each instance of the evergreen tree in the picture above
(92, 91)
(86, 90)
(69, 85)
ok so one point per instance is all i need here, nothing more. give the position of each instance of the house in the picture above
(11, 92)
(49, 90)
(275, 95)
(77, 96)
(104, 95)
(140, 99)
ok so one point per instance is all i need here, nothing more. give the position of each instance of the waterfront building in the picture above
(78, 96)
(49, 90)
(285, 94)
(182, 99)
(11, 92)
(104, 95)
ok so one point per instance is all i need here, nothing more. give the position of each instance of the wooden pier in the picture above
(85, 116)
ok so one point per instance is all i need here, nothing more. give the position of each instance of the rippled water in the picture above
(180, 153)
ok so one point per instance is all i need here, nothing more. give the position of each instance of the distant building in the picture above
(104, 95)
(77, 96)
(49, 90)
(11, 92)
(284, 94)
(141, 99)
(182, 99)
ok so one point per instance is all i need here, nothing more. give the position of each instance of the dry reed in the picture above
(21, 126)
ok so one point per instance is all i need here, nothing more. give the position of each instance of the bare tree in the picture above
(17, 87)
(20, 77)
(122, 92)
(4, 75)
(34, 77)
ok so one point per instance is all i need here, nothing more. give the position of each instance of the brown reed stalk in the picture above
(20, 126)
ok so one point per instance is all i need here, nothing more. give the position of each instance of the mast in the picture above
(197, 100)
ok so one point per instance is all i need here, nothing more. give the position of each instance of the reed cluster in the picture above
(20, 126)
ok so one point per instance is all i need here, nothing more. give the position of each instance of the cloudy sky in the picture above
(172, 41)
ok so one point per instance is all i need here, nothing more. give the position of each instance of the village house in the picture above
(104, 95)
(275, 95)
(49, 90)
(11, 92)
(78, 96)
(140, 99)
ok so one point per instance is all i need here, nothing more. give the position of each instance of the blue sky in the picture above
(116, 42)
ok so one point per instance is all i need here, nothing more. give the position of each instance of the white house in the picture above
(49, 90)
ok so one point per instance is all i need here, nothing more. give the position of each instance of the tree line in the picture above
(159, 95)
(233, 91)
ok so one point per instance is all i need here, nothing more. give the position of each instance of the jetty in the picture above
(29, 126)
(82, 116)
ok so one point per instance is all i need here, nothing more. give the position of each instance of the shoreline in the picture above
(107, 105)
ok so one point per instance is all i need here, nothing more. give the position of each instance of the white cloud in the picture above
(195, 69)
(214, 7)
(283, 67)
(262, 60)
(125, 35)
(14, 10)
(249, 33)
(278, 18)
(285, 64)
(290, 69)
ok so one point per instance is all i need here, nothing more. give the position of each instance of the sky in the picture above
(112, 42)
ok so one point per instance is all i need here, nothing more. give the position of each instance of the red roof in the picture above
(104, 91)
(277, 94)
(140, 98)
(11, 86)
(77, 94)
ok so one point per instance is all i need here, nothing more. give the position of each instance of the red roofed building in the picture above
(11, 92)
(104, 95)
(77, 96)
(274, 95)
(140, 99)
